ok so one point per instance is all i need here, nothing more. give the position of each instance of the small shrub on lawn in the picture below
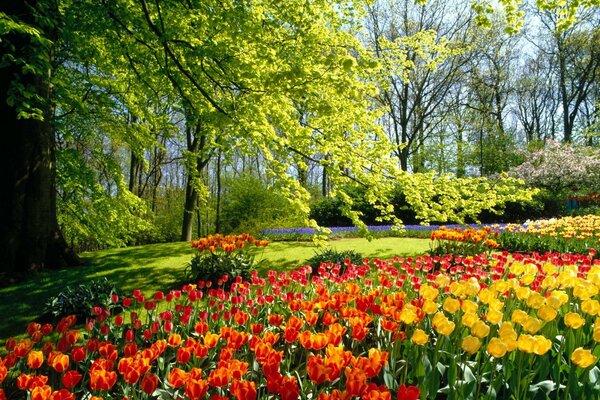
(81, 300)
(220, 260)
(334, 257)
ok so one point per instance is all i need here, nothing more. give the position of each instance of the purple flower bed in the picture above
(373, 228)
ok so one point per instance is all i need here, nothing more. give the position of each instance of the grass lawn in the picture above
(161, 267)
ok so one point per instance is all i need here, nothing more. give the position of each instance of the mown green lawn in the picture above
(161, 267)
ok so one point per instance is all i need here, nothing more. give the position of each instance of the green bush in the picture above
(591, 210)
(220, 269)
(248, 205)
(341, 258)
(220, 260)
(81, 300)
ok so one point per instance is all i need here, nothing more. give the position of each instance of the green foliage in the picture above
(220, 269)
(81, 300)
(93, 215)
(248, 205)
(221, 260)
(544, 204)
(336, 257)
(590, 210)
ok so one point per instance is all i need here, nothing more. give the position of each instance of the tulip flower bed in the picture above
(488, 326)
(463, 241)
(564, 235)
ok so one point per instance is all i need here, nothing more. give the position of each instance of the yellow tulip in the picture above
(583, 357)
(480, 329)
(469, 306)
(557, 299)
(547, 313)
(574, 320)
(532, 325)
(442, 281)
(494, 317)
(445, 327)
(525, 343)
(523, 293)
(428, 292)
(471, 344)
(469, 319)
(419, 337)
(542, 345)
(430, 307)
(549, 282)
(486, 295)
(451, 305)
(519, 317)
(496, 348)
(590, 307)
(535, 300)
(596, 334)
(408, 314)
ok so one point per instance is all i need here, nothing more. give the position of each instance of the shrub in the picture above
(220, 260)
(248, 205)
(334, 257)
(82, 299)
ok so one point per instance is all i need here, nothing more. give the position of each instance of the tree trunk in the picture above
(218, 205)
(191, 197)
(30, 238)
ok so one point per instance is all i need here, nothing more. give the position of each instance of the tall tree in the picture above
(420, 45)
(30, 238)
(575, 57)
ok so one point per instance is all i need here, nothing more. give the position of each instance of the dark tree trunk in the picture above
(191, 197)
(30, 238)
(218, 205)
(135, 169)
(196, 143)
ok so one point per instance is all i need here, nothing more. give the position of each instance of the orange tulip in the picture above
(35, 359)
(335, 333)
(289, 389)
(41, 392)
(318, 341)
(71, 378)
(335, 395)
(219, 377)
(60, 362)
(184, 354)
(177, 377)
(62, 394)
(196, 388)
(317, 371)
(3, 371)
(375, 392)
(240, 317)
(211, 339)
(243, 390)
(149, 383)
(174, 340)
(275, 319)
(356, 381)
(201, 328)
(101, 379)
(373, 364)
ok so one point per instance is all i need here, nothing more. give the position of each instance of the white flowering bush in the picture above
(561, 168)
